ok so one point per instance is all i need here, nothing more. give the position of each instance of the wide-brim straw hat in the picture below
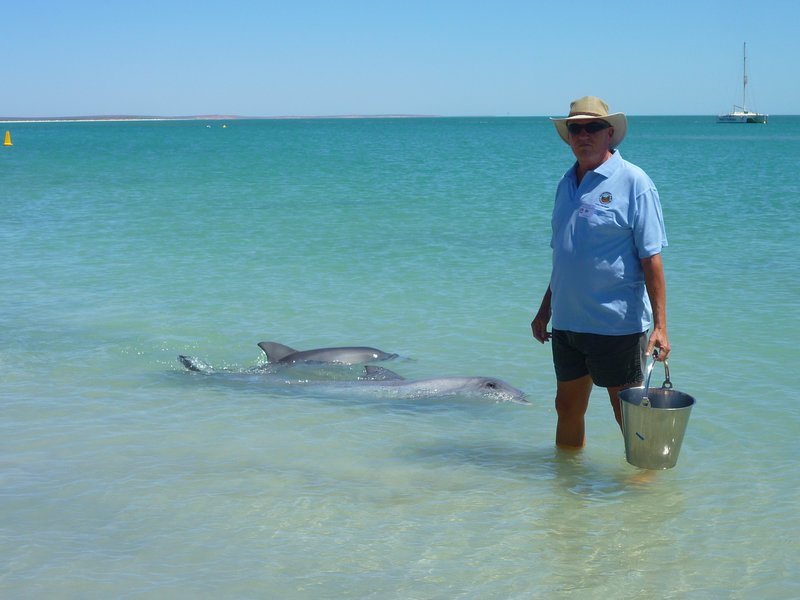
(592, 107)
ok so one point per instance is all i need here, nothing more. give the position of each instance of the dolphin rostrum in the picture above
(348, 355)
(377, 381)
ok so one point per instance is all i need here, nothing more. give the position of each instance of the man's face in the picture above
(589, 138)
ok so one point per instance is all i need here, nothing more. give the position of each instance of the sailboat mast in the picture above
(744, 77)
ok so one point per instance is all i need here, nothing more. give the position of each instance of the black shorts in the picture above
(611, 360)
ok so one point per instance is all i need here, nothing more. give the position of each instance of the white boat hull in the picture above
(743, 117)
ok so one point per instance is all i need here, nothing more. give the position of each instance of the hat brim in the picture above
(617, 120)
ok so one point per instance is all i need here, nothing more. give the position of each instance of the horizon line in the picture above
(90, 118)
(219, 117)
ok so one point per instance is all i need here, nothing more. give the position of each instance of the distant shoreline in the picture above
(119, 118)
(145, 118)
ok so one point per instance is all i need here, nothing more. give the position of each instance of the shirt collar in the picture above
(611, 165)
(606, 169)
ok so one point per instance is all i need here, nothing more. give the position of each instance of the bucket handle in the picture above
(666, 385)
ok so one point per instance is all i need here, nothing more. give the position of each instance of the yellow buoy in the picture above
(8, 139)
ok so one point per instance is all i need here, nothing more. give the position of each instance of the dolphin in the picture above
(487, 387)
(377, 381)
(347, 355)
(196, 365)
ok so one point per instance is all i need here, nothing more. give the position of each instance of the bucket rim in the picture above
(636, 400)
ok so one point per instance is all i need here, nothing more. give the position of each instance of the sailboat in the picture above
(740, 114)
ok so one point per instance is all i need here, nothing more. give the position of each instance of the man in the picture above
(607, 284)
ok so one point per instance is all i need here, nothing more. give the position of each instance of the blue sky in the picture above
(442, 57)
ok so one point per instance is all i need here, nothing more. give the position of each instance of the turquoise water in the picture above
(121, 475)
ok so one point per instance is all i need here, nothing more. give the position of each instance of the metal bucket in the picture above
(653, 423)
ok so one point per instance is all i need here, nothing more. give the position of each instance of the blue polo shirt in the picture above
(601, 229)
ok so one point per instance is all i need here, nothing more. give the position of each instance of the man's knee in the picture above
(572, 398)
(567, 407)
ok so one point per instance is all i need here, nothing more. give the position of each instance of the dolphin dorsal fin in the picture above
(380, 374)
(275, 351)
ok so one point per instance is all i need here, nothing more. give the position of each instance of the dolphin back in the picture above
(347, 355)
(373, 373)
(276, 352)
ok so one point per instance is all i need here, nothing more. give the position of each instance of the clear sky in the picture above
(442, 57)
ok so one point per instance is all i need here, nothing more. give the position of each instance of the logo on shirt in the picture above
(605, 198)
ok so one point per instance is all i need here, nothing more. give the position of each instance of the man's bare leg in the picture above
(613, 396)
(572, 400)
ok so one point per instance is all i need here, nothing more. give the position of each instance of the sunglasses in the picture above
(593, 127)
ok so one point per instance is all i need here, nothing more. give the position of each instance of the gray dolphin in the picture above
(377, 381)
(347, 355)
(196, 365)
(487, 387)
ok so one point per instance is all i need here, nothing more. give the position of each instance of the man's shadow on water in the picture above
(572, 470)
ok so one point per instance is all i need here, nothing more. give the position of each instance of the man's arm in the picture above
(539, 323)
(657, 292)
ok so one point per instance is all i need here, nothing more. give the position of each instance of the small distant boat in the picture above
(740, 114)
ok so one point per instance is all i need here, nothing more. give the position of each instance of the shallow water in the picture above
(126, 244)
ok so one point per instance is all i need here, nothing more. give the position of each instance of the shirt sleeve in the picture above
(648, 224)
